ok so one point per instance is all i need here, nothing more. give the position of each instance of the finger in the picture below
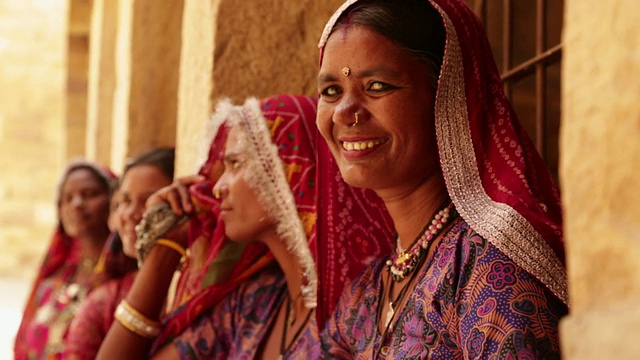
(174, 199)
(189, 179)
(185, 198)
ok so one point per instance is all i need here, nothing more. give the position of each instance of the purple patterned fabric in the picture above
(236, 327)
(470, 301)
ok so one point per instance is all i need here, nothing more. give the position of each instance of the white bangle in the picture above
(135, 322)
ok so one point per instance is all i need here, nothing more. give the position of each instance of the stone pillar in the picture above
(196, 64)
(101, 86)
(147, 64)
(247, 48)
(77, 76)
(600, 178)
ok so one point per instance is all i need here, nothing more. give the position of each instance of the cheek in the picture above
(324, 120)
(102, 206)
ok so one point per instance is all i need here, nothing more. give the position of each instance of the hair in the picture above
(105, 177)
(414, 25)
(162, 158)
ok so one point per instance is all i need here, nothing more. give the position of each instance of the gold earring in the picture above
(355, 123)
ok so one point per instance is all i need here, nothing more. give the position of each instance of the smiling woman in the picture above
(67, 272)
(412, 107)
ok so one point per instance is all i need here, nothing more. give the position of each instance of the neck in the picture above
(293, 272)
(92, 244)
(411, 208)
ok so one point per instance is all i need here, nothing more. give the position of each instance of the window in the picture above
(525, 37)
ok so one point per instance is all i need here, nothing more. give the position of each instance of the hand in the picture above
(178, 197)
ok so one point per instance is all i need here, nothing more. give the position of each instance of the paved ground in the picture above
(12, 297)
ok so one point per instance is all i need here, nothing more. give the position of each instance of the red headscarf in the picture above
(225, 264)
(495, 177)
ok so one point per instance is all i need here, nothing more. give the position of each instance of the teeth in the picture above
(360, 145)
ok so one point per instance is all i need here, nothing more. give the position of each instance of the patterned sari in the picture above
(496, 285)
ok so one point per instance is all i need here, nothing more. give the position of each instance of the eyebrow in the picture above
(384, 70)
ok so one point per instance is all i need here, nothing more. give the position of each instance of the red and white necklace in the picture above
(403, 262)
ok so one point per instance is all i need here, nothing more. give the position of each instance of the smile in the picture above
(361, 145)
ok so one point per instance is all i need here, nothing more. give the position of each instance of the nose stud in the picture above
(356, 122)
(216, 193)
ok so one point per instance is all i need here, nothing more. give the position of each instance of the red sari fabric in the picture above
(495, 177)
(354, 229)
(222, 264)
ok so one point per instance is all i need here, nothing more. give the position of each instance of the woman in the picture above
(266, 200)
(412, 107)
(67, 272)
(142, 176)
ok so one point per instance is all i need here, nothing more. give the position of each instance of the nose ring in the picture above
(216, 193)
(356, 122)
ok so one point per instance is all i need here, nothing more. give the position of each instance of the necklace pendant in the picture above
(389, 316)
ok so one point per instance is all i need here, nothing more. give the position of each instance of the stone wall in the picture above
(32, 145)
(259, 49)
(600, 178)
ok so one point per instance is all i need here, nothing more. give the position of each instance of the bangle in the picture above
(155, 222)
(172, 244)
(135, 322)
(175, 246)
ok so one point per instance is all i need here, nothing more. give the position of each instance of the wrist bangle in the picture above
(172, 244)
(175, 246)
(135, 322)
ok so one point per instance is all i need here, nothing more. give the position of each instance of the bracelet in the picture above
(135, 322)
(174, 245)
(155, 222)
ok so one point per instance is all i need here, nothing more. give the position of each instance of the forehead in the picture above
(81, 177)
(236, 141)
(359, 46)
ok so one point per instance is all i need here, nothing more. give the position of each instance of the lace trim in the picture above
(499, 223)
(266, 175)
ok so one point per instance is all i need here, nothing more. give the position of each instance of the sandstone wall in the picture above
(247, 48)
(600, 178)
(32, 146)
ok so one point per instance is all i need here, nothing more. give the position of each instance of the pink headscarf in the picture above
(495, 177)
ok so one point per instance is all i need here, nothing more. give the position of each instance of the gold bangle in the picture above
(135, 322)
(174, 245)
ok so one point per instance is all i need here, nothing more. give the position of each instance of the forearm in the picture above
(147, 295)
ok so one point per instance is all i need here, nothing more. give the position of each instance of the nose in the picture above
(77, 200)
(220, 189)
(349, 110)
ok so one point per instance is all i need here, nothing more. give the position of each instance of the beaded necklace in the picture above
(403, 262)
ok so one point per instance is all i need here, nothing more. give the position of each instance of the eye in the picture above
(378, 86)
(331, 91)
(233, 163)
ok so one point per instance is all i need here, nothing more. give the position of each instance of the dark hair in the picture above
(162, 158)
(104, 176)
(414, 25)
